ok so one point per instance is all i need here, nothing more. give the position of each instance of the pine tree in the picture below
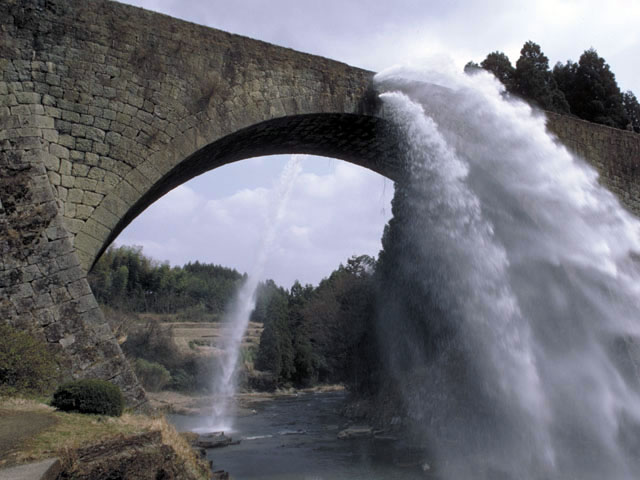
(592, 91)
(500, 65)
(471, 68)
(535, 82)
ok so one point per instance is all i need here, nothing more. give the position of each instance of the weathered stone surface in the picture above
(105, 107)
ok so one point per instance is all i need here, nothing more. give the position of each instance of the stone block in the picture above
(20, 291)
(62, 193)
(83, 211)
(67, 141)
(76, 155)
(59, 151)
(8, 100)
(69, 116)
(95, 229)
(79, 288)
(50, 135)
(27, 132)
(105, 217)
(67, 181)
(113, 138)
(78, 130)
(70, 209)
(84, 145)
(37, 121)
(36, 109)
(86, 119)
(92, 199)
(21, 110)
(85, 183)
(102, 123)
(91, 159)
(54, 178)
(95, 134)
(73, 225)
(28, 97)
(51, 162)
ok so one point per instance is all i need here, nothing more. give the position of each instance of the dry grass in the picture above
(74, 430)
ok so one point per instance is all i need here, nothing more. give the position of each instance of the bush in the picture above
(26, 364)
(152, 375)
(181, 381)
(89, 396)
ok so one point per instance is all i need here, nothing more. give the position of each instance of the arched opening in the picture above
(368, 141)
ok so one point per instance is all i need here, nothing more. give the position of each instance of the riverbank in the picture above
(95, 446)
(244, 403)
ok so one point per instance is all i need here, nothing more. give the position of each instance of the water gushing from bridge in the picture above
(527, 275)
(237, 318)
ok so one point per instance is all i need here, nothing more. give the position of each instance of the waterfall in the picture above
(224, 384)
(515, 343)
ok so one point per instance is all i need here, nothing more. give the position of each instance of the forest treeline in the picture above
(125, 279)
(321, 334)
(586, 89)
(312, 334)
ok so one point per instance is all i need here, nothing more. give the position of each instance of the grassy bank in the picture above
(65, 433)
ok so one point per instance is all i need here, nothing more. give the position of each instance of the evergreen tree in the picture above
(472, 67)
(535, 82)
(304, 372)
(592, 90)
(125, 279)
(500, 65)
(276, 342)
(565, 77)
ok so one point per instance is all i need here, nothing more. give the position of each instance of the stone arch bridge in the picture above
(105, 107)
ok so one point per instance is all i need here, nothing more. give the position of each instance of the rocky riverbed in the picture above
(304, 435)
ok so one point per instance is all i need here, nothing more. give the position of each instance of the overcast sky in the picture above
(336, 209)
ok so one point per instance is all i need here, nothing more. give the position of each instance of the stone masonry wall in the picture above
(614, 153)
(128, 94)
(99, 101)
(43, 287)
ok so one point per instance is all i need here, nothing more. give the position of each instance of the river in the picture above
(295, 437)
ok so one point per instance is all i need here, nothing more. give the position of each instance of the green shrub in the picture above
(152, 375)
(26, 364)
(89, 396)
(181, 381)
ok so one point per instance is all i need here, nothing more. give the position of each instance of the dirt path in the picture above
(17, 427)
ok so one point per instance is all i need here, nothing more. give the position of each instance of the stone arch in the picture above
(364, 140)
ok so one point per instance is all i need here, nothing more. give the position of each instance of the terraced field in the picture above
(207, 338)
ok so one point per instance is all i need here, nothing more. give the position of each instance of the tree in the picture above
(276, 342)
(125, 279)
(535, 82)
(632, 110)
(565, 77)
(304, 371)
(500, 65)
(592, 91)
(472, 68)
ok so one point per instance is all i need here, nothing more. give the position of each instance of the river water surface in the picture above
(295, 437)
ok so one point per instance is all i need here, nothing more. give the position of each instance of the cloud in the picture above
(337, 209)
(379, 34)
(330, 217)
